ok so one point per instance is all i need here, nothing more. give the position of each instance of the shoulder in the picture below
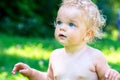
(57, 52)
(96, 52)
(55, 56)
(97, 55)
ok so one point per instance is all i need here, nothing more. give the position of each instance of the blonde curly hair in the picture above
(94, 18)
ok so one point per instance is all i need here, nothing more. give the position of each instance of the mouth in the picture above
(62, 36)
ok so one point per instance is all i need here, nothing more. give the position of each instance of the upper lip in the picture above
(63, 35)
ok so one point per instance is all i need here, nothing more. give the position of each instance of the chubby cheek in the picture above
(56, 34)
(75, 37)
(73, 34)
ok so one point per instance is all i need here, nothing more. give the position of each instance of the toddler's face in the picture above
(70, 26)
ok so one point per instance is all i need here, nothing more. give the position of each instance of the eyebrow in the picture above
(57, 18)
(68, 20)
(72, 20)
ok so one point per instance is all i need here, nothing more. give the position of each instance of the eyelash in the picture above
(58, 22)
(70, 24)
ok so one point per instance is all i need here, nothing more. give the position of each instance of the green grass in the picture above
(32, 51)
(36, 51)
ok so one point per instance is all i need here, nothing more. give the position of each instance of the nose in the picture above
(63, 27)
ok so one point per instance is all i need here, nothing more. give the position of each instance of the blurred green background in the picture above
(26, 34)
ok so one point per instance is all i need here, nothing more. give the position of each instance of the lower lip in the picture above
(62, 37)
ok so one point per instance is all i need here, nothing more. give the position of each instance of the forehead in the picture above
(70, 12)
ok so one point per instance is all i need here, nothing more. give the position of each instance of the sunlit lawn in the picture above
(35, 52)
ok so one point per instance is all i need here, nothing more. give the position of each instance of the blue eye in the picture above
(71, 24)
(59, 22)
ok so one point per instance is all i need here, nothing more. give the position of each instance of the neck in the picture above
(74, 49)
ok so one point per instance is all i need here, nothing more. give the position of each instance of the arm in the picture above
(101, 66)
(31, 73)
(104, 71)
(38, 75)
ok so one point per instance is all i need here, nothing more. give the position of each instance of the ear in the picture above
(89, 35)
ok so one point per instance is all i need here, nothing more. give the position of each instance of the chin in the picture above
(62, 43)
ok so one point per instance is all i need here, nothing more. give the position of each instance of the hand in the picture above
(112, 74)
(24, 69)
